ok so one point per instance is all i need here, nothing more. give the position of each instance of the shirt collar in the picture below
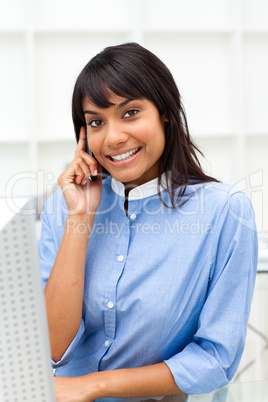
(145, 190)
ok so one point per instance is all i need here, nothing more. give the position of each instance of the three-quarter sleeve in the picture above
(212, 358)
(48, 248)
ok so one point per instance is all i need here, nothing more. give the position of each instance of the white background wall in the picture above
(217, 51)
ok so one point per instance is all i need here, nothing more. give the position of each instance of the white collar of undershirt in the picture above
(145, 190)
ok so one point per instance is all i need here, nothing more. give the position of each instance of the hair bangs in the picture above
(101, 84)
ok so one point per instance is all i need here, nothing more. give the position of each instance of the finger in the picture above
(82, 144)
(92, 163)
(85, 171)
(98, 170)
(79, 170)
(97, 176)
(78, 174)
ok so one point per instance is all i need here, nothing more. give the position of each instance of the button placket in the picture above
(110, 292)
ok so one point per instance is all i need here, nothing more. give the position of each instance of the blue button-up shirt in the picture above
(162, 284)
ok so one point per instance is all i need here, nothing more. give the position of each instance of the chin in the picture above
(125, 178)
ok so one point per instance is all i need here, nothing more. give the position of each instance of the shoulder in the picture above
(56, 200)
(55, 208)
(215, 192)
(226, 194)
(229, 202)
(215, 200)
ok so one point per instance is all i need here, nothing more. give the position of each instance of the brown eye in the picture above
(96, 123)
(131, 113)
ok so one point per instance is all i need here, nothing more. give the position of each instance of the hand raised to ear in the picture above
(82, 195)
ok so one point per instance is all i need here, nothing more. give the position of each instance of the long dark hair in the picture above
(131, 71)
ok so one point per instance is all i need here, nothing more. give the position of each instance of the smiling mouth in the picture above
(124, 156)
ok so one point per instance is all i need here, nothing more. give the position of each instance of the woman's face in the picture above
(127, 138)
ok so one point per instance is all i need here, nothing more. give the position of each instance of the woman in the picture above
(148, 263)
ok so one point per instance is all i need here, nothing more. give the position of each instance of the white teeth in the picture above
(122, 157)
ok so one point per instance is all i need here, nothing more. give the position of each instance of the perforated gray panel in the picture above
(25, 372)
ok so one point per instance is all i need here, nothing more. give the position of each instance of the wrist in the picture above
(82, 218)
(94, 386)
(79, 225)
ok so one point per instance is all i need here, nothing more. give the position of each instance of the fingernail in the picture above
(95, 173)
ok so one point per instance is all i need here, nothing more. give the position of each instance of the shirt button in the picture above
(110, 304)
(106, 343)
(120, 258)
(133, 216)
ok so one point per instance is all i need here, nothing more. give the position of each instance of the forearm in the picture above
(153, 380)
(65, 287)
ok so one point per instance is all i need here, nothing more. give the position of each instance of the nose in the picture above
(115, 135)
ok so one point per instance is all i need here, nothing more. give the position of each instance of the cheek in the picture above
(94, 145)
(158, 144)
(158, 139)
(149, 132)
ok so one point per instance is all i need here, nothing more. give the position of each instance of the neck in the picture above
(135, 191)
(128, 188)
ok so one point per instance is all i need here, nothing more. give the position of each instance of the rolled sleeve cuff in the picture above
(70, 351)
(195, 371)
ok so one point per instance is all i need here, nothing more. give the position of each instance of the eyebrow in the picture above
(125, 102)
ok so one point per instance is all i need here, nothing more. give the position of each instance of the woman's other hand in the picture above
(75, 389)
(81, 194)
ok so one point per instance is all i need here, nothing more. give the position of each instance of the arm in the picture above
(65, 287)
(154, 380)
(212, 358)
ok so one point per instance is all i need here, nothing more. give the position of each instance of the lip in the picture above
(123, 162)
(122, 151)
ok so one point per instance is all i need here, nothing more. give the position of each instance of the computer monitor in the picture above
(25, 368)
